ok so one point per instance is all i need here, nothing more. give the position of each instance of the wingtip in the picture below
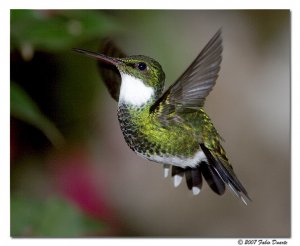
(245, 200)
(218, 34)
(244, 197)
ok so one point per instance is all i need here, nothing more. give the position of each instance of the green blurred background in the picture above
(72, 174)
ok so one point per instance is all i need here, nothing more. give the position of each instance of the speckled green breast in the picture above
(145, 135)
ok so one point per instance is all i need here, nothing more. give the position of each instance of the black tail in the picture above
(194, 177)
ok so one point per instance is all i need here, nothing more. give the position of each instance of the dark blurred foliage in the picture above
(72, 173)
(52, 98)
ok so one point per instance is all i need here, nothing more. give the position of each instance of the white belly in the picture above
(178, 161)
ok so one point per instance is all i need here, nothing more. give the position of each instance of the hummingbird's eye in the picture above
(141, 66)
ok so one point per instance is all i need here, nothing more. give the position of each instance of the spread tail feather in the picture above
(216, 174)
(193, 177)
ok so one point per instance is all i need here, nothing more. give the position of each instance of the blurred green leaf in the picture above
(24, 108)
(57, 30)
(53, 217)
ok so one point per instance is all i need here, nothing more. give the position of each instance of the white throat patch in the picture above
(133, 91)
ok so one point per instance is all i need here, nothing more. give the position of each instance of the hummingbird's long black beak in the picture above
(101, 57)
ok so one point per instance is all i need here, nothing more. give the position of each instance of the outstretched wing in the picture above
(192, 87)
(109, 73)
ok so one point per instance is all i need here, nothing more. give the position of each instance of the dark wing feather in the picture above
(109, 73)
(192, 87)
(212, 178)
(223, 171)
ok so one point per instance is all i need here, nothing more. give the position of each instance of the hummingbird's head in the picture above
(142, 77)
(142, 80)
(145, 69)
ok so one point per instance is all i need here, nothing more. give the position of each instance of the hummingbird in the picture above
(171, 127)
